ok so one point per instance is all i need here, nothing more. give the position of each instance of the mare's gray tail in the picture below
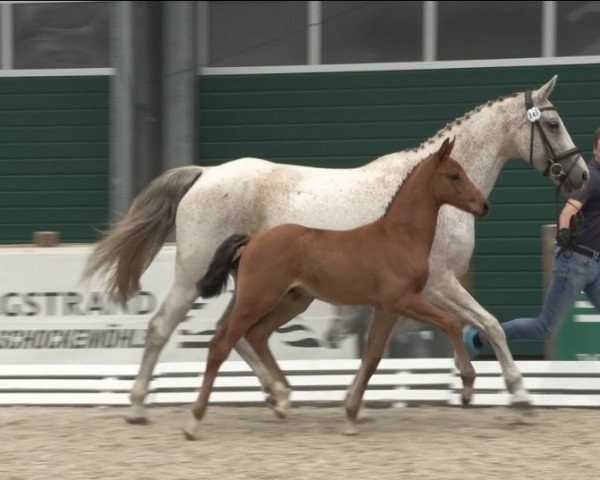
(129, 247)
(224, 260)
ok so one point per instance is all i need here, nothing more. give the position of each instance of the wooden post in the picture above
(46, 239)
(548, 240)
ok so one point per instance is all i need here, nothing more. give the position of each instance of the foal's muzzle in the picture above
(482, 210)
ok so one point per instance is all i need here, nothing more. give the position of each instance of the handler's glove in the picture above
(564, 239)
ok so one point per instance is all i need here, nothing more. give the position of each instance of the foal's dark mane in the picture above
(406, 179)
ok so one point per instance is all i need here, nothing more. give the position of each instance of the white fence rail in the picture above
(397, 381)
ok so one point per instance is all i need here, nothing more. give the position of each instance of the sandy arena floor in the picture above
(64, 443)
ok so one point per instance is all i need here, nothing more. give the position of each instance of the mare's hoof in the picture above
(522, 402)
(137, 420)
(137, 416)
(351, 429)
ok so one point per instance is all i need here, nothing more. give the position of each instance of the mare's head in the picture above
(543, 139)
(453, 186)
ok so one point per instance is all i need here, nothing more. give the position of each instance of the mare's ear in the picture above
(445, 149)
(543, 93)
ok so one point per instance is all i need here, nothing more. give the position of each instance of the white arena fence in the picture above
(399, 382)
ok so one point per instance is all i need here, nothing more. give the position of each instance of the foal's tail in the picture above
(130, 246)
(225, 259)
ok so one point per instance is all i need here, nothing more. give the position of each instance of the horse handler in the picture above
(576, 266)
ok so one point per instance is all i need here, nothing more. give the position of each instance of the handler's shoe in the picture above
(472, 350)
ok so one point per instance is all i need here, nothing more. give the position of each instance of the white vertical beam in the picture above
(202, 34)
(6, 27)
(430, 30)
(314, 33)
(179, 84)
(121, 123)
(549, 29)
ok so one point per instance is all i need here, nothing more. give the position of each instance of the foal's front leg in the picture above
(416, 306)
(381, 326)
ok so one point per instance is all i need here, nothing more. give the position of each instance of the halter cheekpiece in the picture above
(553, 167)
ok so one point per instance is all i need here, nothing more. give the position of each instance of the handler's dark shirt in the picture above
(587, 220)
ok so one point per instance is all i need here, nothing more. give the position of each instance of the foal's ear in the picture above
(445, 149)
(543, 93)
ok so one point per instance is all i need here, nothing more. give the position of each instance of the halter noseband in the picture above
(553, 168)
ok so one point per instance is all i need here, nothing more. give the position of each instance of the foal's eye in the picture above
(454, 176)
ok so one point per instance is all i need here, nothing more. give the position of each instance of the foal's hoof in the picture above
(137, 415)
(192, 430)
(189, 435)
(279, 399)
(278, 410)
(466, 400)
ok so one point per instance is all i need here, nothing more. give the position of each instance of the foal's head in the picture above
(452, 185)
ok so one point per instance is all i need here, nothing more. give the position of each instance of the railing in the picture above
(398, 382)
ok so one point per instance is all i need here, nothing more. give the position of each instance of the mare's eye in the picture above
(454, 176)
(553, 124)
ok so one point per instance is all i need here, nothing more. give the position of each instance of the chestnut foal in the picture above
(383, 264)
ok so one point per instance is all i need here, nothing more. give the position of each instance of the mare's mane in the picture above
(444, 131)
(457, 121)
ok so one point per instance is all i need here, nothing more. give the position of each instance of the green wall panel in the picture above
(349, 118)
(53, 157)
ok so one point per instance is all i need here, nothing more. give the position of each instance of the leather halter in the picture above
(553, 167)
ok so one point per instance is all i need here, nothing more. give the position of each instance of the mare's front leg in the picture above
(381, 326)
(448, 293)
(290, 306)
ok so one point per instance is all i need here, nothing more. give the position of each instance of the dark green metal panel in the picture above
(53, 157)
(349, 118)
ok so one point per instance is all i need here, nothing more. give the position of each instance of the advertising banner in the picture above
(48, 316)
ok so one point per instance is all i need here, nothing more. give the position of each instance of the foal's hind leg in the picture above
(381, 326)
(220, 346)
(243, 315)
(291, 305)
(244, 350)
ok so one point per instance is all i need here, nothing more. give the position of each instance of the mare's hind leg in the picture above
(291, 305)
(172, 311)
(417, 307)
(381, 326)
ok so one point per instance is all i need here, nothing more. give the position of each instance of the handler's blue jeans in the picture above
(572, 273)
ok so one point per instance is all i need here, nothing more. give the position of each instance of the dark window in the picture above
(257, 33)
(578, 28)
(363, 32)
(482, 30)
(61, 35)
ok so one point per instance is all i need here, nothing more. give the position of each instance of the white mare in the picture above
(207, 204)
